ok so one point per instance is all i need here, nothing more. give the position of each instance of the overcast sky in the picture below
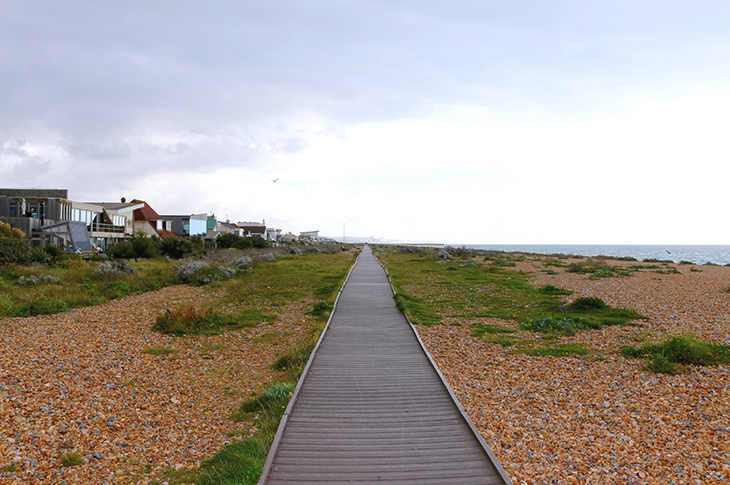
(458, 122)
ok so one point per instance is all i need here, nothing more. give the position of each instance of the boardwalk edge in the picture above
(285, 418)
(461, 409)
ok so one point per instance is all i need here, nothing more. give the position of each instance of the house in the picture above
(272, 234)
(114, 223)
(188, 225)
(30, 209)
(253, 228)
(312, 236)
(229, 227)
(149, 222)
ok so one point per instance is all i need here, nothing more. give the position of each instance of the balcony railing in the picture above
(111, 228)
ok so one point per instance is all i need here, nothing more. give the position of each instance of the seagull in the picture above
(277, 178)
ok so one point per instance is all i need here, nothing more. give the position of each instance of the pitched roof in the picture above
(146, 213)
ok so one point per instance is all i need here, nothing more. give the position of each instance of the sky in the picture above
(460, 122)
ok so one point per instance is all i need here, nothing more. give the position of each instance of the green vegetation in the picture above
(11, 468)
(559, 350)
(71, 459)
(482, 329)
(158, 351)
(175, 247)
(311, 277)
(187, 319)
(74, 283)
(428, 291)
(674, 355)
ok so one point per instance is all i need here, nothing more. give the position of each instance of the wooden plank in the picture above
(371, 405)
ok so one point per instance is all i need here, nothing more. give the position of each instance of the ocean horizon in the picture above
(697, 254)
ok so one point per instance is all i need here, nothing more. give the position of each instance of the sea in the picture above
(692, 253)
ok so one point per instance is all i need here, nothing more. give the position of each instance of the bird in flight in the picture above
(277, 178)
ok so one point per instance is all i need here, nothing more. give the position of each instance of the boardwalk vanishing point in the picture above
(371, 407)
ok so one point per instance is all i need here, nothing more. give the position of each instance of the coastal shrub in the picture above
(40, 306)
(189, 319)
(13, 246)
(70, 459)
(321, 309)
(587, 303)
(268, 257)
(184, 319)
(312, 250)
(33, 280)
(244, 262)
(201, 273)
(681, 350)
(443, 255)
(560, 325)
(553, 290)
(259, 242)
(175, 247)
(276, 396)
(115, 290)
(114, 268)
(295, 251)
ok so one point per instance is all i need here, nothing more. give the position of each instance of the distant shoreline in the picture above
(696, 254)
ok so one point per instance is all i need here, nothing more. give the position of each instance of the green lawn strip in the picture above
(287, 280)
(428, 291)
(676, 354)
(41, 290)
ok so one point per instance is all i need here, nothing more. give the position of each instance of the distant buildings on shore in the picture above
(49, 217)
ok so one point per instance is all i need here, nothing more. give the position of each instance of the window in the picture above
(13, 210)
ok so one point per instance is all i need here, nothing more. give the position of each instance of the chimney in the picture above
(124, 200)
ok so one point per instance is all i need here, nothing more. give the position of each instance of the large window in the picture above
(13, 209)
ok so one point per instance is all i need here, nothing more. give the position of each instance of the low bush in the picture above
(275, 397)
(560, 325)
(188, 319)
(674, 354)
(175, 247)
(587, 304)
(200, 273)
(108, 269)
(553, 290)
(70, 459)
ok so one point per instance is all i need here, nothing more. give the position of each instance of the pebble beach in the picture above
(600, 418)
(85, 382)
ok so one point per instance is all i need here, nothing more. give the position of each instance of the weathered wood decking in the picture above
(371, 407)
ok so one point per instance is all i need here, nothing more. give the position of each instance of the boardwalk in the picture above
(371, 408)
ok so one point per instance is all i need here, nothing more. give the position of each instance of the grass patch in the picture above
(70, 459)
(674, 355)
(287, 280)
(553, 290)
(242, 462)
(10, 468)
(429, 291)
(482, 329)
(560, 350)
(158, 351)
(188, 319)
(507, 340)
(78, 284)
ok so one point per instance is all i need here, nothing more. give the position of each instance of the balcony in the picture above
(105, 228)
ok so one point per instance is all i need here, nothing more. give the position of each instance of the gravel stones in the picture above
(601, 419)
(78, 382)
